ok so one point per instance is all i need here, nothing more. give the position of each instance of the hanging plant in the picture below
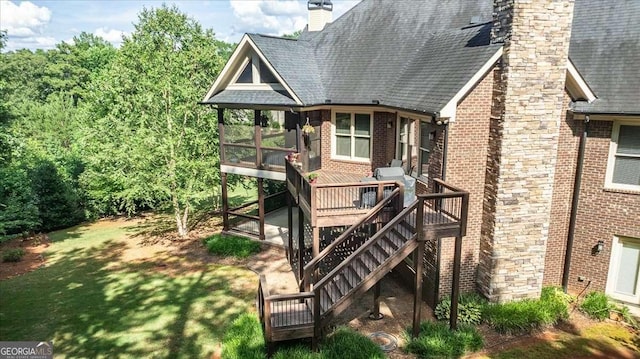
(307, 128)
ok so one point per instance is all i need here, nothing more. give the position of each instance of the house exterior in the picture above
(532, 108)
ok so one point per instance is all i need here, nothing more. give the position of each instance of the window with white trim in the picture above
(352, 136)
(623, 169)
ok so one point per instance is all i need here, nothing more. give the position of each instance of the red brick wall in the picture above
(602, 213)
(383, 144)
(466, 166)
(568, 142)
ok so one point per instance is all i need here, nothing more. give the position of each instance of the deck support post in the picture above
(316, 241)
(417, 300)
(419, 266)
(290, 227)
(261, 213)
(223, 175)
(455, 285)
(301, 243)
(375, 312)
(225, 202)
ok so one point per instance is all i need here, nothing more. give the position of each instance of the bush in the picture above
(596, 305)
(347, 343)
(530, 314)
(436, 340)
(231, 246)
(470, 308)
(13, 255)
(244, 339)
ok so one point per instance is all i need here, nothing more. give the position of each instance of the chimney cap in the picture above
(320, 4)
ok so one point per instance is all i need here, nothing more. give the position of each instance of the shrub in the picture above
(530, 314)
(436, 340)
(13, 255)
(596, 305)
(231, 246)
(347, 343)
(244, 339)
(470, 308)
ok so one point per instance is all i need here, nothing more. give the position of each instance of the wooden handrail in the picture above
(256, 201)
(310, 267)
(448, 186)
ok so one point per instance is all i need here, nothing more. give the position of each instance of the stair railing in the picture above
(311, 273)
(318, 315)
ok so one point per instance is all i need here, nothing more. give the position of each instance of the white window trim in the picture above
(613, 148)
(335, 156)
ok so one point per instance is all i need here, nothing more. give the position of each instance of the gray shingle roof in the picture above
(605, 48)
(416, 56)
(255, 97)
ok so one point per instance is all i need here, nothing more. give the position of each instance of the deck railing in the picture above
(427, 216)
(282, 315)
(245, 219)
(340, 248)
(335, 199)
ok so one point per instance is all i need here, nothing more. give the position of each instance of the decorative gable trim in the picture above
(449, 110)
(237, 62)
(576, 85)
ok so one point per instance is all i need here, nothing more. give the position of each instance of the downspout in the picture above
(574, 204)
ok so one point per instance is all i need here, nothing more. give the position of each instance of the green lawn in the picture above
(92, 303)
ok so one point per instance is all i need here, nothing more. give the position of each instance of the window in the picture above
(623, 169)
(427, 140)
(255, 72)
(352, 136)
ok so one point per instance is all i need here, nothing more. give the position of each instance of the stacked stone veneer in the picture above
(523, 148)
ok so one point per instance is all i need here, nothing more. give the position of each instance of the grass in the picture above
(233, 246)
(93, 304)
(347, 343)
(244, 339)
(436, 340)
(603, 340)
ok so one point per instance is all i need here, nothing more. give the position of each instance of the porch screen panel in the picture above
(627, 161)
(425, 145)
(343, 134)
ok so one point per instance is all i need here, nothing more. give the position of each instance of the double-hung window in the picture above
(352, 136)
(623, 169)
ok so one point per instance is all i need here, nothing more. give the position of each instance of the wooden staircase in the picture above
(327, 290)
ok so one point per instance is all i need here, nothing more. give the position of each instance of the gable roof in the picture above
(395, 53)
(420, 56)
(605, 47)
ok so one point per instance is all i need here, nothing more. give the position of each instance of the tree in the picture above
(162, 145)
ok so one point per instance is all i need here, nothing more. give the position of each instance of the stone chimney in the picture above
(523, 145)
(320, 13)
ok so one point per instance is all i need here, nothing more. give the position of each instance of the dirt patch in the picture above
(33, 259)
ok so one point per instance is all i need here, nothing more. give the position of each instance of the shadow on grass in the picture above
(570, 342)
(91, 308)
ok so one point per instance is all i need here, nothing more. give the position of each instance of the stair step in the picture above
(378, 253)
(342, 285)
(405, 229)
(325, 301)
(369, 261)
(388, 243)
(396, 237)
(360, 269)
(351, 276)
(383, 246)
(332, 290)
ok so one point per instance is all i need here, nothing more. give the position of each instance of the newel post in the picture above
(419, 265)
